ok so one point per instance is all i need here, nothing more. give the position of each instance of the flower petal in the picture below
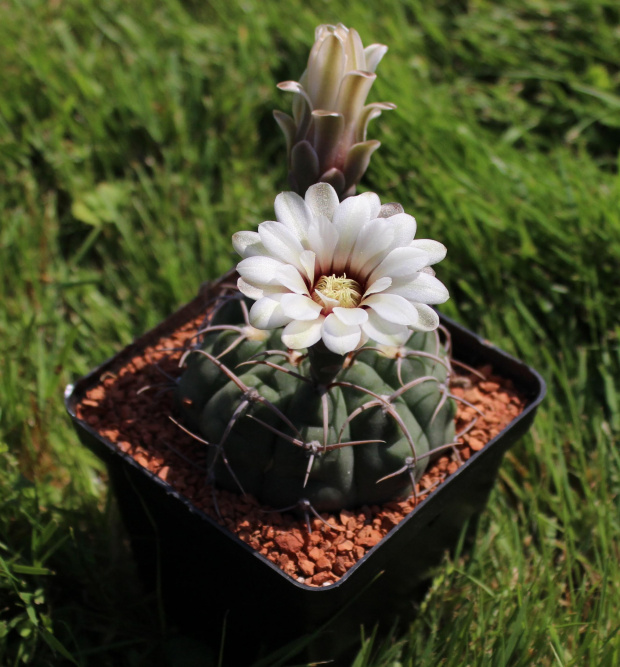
(373, 202)
(307, 260)
(329, 303)
(436, 251)
(354, 50)
(323, 239)
(322, 199)
(259, 270)
(423, 288)
(373, 243)
(401, 262)
(389, 209)
(335, 178)
(300, 334)
(280, 242)
(429, 320)
(351, 316)
(378, 285)
(267, 313)
(248, 244)
(288, 127)
(253, 292)
(293, 212)
(300, 307)
(385, 333)
(352, 94)
(289, 277)
(326, 65)
(338, 337)
(405, 227)
(358, 159)
(392, 308)
(349, 218)
(304, 164)
(373, 55)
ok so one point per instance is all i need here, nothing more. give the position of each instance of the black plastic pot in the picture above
(206, 574)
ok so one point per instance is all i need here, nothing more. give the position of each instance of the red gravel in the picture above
(137, 421)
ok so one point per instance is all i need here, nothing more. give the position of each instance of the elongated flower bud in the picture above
(326, 135)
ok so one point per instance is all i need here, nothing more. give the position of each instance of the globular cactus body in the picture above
(362, 437)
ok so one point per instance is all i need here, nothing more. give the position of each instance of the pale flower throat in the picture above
(345, 290)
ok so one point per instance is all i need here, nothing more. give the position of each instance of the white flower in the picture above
(342, 273)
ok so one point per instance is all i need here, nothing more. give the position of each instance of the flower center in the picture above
(345, 290)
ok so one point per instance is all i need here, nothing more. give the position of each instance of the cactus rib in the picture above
(360, 435)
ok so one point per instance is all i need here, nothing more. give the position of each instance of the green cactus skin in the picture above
(282, 436)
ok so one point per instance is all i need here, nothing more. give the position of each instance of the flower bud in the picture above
(326, 135)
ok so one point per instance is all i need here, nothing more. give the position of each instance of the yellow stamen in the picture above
(345, 290)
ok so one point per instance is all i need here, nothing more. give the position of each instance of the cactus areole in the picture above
(330, 390)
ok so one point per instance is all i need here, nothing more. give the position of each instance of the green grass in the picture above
(136, 137)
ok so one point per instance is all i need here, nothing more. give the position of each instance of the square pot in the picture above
(205, 574)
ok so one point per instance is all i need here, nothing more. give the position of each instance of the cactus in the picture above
(362, 433)
(317, 417)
